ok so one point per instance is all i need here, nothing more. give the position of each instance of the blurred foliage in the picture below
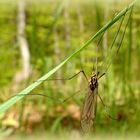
(119, 88)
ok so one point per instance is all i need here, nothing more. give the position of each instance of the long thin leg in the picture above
(109, 58)
(120, 42)
(125, 29)
(46, 96)
(101, 76)
(39, 94)
(67, 78)
(72, 95)
(43, 95)
(106, 109)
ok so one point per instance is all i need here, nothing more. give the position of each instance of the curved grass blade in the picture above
(12, 101)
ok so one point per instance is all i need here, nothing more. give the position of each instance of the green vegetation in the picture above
(63, 39)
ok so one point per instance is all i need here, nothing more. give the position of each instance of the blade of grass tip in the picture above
(12, 101)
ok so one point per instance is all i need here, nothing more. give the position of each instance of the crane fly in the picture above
(88, 112)
(90, 104)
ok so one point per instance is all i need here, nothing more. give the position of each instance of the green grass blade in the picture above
(13, 100)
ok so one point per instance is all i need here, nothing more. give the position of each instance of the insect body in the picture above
(90, 105)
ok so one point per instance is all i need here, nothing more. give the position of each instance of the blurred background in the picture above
(35, 36)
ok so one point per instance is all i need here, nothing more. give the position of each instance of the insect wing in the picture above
(89, 110)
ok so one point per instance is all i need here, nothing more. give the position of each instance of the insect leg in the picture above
(106, 109)
(101, 76)
(82, 71)
(125, 29)
(43, 95)
(49, 97)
